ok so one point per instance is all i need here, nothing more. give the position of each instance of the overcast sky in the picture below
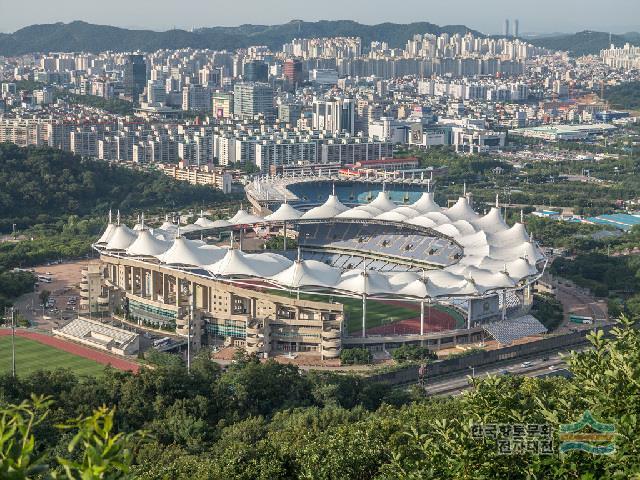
(484, 15)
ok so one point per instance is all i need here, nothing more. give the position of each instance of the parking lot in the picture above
(64, 295)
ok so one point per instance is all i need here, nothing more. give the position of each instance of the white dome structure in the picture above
(357, 213)
(392, 216)
(422, 221)
(461, 211)
(407, 211)
(516, 235)
(382, 202)
(106, 235)
(204, 222)
(364, 282)
(236, 263)
(492, 222)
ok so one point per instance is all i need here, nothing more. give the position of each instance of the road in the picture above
(459, 383)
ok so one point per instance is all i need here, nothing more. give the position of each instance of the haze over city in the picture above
(543, 16)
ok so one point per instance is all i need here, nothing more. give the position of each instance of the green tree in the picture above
(407, 353)
(44, 296)
(355, 356)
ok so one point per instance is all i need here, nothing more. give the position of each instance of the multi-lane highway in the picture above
(453, 385)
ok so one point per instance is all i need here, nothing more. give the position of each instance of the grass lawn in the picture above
(378, 313)
(32, 356)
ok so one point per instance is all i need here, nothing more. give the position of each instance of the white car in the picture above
(526, 364)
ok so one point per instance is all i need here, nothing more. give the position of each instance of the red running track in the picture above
(434, 321)
(100, 357)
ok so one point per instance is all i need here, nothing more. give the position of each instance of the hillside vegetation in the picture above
(625, 95)
(269, 421)
(584, 43)
(42, 185)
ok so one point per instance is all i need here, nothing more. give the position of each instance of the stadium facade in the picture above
(418, 254)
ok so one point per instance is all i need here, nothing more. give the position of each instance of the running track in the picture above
(81, 351)
(434, 321)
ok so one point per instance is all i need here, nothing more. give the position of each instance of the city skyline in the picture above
(546, 16)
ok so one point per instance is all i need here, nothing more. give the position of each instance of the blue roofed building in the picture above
(622, 221)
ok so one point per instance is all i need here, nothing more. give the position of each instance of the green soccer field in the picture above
(378, 313)
(32, 356)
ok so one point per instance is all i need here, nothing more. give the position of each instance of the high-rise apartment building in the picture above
(334, 115)
(210, 77)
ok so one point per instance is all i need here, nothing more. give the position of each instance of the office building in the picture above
(135, 77)
(289, 113)
(251, 99)
(196, 98)
(256, 71)
(222, 104)
(292, 71)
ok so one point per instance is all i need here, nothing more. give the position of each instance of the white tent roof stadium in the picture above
(495, 256)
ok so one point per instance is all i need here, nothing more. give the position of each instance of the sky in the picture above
(535, 16)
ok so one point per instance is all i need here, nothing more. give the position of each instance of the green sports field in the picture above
(378, 313)
(32, 356)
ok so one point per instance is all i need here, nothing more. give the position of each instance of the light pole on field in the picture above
(13, 341)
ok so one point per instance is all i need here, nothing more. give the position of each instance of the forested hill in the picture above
(585, 43)
(625, 95)
(39, 185)
(82, 36)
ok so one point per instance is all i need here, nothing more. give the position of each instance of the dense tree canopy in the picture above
(38, 185)
(625, 95)
(270, 421)
(12, 285)
(113, 105)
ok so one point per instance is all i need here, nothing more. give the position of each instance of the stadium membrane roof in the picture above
(495, 256)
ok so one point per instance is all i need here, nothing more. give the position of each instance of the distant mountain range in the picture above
(82, 36)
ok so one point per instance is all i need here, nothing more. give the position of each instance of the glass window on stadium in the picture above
(226, 328)
(151, 314)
